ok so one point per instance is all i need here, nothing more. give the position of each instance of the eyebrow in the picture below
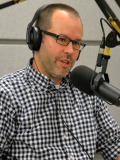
(70, 38)
(78, 39)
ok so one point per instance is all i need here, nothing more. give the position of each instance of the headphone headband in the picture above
(36, 15)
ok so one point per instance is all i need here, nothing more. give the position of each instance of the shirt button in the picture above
(71, 157)
(65, 137)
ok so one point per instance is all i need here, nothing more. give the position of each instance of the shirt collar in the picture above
(45, 83)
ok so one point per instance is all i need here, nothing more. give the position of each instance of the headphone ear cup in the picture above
(35, 38)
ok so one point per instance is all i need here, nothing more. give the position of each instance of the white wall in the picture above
(14, 53)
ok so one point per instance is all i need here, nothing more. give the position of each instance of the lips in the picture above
(65, 62)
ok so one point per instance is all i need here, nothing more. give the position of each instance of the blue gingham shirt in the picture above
(31, 126)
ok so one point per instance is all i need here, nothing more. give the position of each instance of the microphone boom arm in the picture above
(109, 14)
(7, 4)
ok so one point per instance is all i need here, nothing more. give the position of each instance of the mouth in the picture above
(65, 63)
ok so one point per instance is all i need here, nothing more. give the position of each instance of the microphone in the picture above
(81, 78)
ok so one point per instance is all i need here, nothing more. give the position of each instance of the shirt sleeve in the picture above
(108, 142)
(7, 123)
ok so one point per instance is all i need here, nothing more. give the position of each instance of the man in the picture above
(43, 116)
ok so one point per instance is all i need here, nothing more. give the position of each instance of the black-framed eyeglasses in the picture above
(64, 40)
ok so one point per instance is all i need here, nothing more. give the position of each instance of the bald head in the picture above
(64, 21)
(44, 21)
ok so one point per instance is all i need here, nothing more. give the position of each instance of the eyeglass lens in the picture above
(65, 41)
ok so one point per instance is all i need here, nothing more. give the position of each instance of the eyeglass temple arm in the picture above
(50, 34)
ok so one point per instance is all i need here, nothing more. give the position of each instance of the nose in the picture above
(69, 48)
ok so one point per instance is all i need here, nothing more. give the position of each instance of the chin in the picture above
(60, 76)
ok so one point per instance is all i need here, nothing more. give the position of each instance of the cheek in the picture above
(50, 42)
(52, 45)
(54, 49)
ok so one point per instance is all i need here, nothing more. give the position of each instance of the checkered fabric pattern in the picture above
(31, 127)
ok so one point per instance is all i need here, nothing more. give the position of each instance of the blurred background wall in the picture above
(14, 53)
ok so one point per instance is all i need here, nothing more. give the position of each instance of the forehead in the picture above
(67, 24)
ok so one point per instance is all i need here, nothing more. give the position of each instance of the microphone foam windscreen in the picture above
(81, 78)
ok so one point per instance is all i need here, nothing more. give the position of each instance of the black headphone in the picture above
(33, 34)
